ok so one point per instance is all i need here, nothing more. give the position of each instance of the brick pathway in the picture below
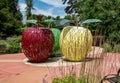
(13, 70)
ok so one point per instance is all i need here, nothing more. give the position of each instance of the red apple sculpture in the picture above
(37, 43)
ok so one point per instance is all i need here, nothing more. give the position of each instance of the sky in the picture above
(46, 7)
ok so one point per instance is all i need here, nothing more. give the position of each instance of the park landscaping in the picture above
(82, 52)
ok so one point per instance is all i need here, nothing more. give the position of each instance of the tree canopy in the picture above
(105, 10)
(29, 8)
(10, 18)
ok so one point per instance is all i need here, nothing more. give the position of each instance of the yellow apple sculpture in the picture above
(75, 42)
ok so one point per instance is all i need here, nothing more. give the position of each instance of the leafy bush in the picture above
(115, 37)
(71, 79)
(112, 47)
(3, 45)
(107, 47)
(116, 48)
(19, 39)
(14, 46)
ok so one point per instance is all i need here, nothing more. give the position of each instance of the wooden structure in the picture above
(98, 40)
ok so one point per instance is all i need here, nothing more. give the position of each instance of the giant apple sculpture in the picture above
(56, 33)
(37, 43)
(75, 42)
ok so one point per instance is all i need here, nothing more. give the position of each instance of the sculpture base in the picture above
(61, 61)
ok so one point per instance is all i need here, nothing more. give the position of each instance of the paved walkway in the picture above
(13, 70)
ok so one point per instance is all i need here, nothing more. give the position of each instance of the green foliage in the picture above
(71, 79)
(19, 39)
(58, 18)
(116, 48)
(14, 46)
(10, 18)
(43, 23)
(107, 47)
(20, 30)
(10, 46)
(3, 45)
(111, 47)
(115, 36)
(29, 8)
(107, 11)
(69, 17)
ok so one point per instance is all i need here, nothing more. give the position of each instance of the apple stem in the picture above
(76, 21)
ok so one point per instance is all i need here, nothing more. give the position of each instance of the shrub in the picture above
(3, 45)
(19, 39)
(71, 79)
(107, 47)
(14, 46)
(115, 37)
(116, 48)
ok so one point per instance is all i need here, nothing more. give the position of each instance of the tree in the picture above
(10, 18)
(58, 18)
(29, 7)
(105, 10)
(69, 17)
